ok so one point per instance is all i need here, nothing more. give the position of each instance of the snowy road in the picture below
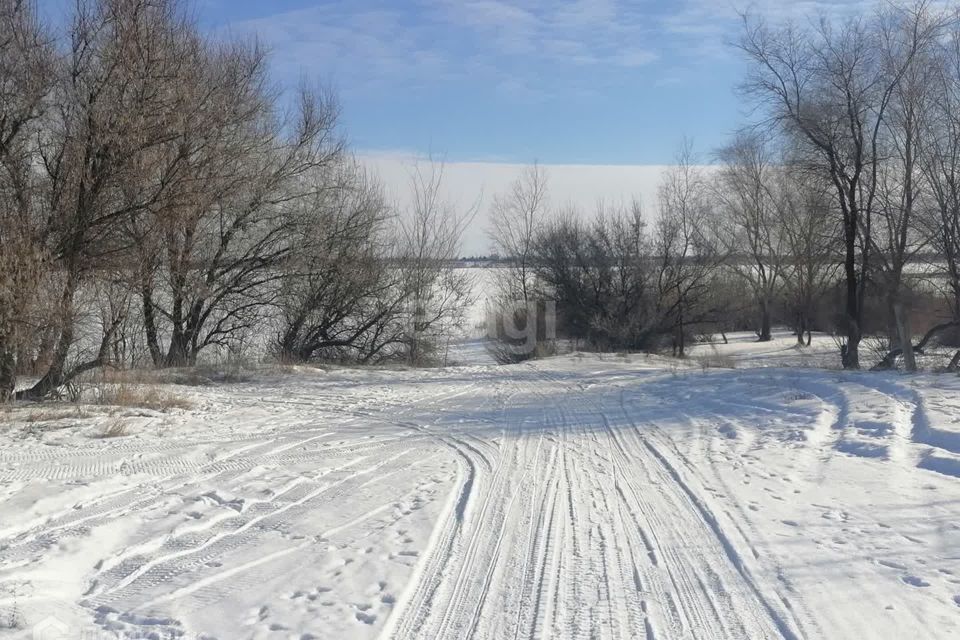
(574, 498)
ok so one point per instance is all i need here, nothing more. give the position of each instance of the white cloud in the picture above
(368, 45)
(373, 45)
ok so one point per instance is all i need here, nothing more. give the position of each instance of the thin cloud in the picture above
(505, 42)
(524, 50)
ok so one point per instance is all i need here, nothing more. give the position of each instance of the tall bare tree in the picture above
(831, 88)
(222, 250)
(941, 168)
(26, 80)
(109, 117)
(897, 240)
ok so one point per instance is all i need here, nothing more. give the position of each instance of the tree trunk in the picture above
(851, 352)
(178, 355)
(904, 337)
(954, 363)
(55, 376)
(8, 368)
(150, 327)
(766, 332)
(681, 342)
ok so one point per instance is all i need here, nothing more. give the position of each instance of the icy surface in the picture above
(578, 497)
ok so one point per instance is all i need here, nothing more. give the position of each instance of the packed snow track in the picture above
(580, 497)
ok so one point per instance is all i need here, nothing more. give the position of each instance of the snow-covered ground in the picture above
(577, 497)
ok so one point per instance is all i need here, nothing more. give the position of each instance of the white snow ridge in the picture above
(575, 497)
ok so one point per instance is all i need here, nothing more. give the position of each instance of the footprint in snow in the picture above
(914, 581)
(366, 618)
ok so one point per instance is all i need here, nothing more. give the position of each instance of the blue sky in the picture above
(586, 82)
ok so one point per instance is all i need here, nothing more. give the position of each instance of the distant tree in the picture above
(752, 233)
(687, 249)
(437, 293)
(812, 235)
(516, 217)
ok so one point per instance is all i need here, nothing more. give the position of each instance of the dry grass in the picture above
(198, 376)
(716, 361)
(142, 397)
(52, 414)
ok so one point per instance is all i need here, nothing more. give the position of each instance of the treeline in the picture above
(161, 197)
(837, 210)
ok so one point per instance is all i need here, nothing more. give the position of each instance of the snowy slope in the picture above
(579, 497)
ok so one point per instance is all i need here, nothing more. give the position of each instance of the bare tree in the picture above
(896, 240)
(108, 118)
(26, 80)
(342, 290)
(599, 275)
(516, 217)
(941, 169)
(752, 231)
(687, 249)
(831, 88)
(430, 235)
(222, 252)
(812, 234)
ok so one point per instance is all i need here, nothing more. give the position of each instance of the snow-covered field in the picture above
(577, 497)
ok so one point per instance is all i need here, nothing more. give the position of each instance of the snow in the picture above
(583, 496)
